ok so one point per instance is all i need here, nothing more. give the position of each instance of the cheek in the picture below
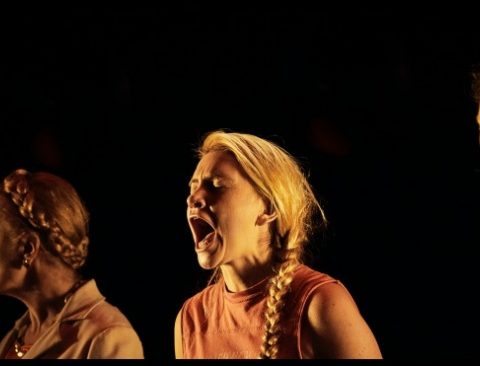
(244, 219)
(237, 214)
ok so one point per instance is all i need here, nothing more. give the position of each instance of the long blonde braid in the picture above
(278, 289)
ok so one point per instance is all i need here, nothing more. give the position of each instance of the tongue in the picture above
(206, 241)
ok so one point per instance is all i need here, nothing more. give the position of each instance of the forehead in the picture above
(216, 162)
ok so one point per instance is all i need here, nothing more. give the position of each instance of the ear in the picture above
(29, 246)
(266, 218)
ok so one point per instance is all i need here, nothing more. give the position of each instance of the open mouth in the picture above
(203, 232)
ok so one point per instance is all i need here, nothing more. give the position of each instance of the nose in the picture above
(196, 200)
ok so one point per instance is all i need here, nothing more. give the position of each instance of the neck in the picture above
(45, 299)
(239, 279)
(248, 269)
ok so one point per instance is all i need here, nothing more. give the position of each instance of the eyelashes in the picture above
(209, 184)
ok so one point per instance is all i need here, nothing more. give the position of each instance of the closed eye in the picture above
(213, 183)
(217, 183)
(208, 183)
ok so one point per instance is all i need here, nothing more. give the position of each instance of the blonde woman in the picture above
(43, 243)
(250, 210)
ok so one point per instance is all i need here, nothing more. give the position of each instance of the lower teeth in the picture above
(205, 242)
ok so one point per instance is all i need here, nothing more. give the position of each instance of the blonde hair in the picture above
(278, 178)
(50, 206)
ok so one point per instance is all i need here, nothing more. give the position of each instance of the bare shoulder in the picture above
(178, 336)
(332, 297)
(332, 326)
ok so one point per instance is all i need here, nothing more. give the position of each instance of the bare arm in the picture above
(332, 327)
(178, 336)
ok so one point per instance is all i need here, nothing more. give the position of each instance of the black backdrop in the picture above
(375, 104)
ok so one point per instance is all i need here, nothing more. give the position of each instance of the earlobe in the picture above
(266, 218)
(29, 247)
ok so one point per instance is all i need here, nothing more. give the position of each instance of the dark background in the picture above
(376, 105)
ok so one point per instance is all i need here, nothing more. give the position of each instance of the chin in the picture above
(206, 261)
(207, 265)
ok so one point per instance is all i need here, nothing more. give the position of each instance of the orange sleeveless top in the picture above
(220, 324)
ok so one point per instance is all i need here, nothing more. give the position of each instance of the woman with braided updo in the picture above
(251, 210)
(43, 243)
